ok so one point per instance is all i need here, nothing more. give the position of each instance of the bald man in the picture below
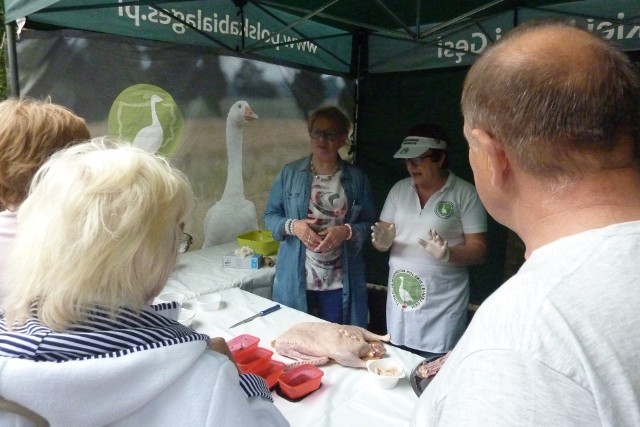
(552, 117)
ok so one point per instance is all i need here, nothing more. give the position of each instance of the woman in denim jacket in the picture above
(321, 209)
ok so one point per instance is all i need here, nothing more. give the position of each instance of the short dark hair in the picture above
(332, 114)
(559, 110)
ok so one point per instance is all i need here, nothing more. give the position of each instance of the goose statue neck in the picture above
(233, 214)
(239, 114)
(234, 186)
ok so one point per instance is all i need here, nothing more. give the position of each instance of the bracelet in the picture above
(350, 231)
(288, 226)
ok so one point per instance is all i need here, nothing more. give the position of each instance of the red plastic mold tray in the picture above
(300, 381)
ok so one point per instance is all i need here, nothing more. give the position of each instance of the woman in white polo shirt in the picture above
(434, 224)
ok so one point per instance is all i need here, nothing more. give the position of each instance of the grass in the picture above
(269, 143)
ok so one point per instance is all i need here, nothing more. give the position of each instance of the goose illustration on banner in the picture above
(148, 116)
(150, 138)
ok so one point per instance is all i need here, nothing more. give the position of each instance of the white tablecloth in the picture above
(201, 272)
(347, 396)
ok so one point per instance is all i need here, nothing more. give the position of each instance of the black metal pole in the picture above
(12, 59)
(359, 66)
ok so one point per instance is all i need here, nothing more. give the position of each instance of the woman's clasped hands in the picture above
(319, 241)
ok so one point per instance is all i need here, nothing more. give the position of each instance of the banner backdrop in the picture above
(292, 32)
(214, 24)
(179, 99)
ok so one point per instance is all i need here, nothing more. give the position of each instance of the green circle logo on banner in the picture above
(147, 116)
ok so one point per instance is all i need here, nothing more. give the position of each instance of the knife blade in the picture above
(262, 313)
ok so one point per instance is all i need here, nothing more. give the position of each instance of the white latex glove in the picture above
(436, 247)
(382, 235)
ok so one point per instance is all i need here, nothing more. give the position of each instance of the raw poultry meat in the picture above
(317, 342)
(431, 368)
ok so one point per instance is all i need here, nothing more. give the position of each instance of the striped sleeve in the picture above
(254, 386)
(102, 334)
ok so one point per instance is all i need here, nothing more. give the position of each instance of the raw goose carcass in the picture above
(317, 342)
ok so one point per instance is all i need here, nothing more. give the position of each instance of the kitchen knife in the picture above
(262, 313)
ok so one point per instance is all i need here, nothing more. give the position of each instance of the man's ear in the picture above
(497, 160)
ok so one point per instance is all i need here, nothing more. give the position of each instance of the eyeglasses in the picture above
(329, 135)
(185, 243)
(417, 161)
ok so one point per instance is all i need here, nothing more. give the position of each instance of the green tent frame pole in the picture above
(359, 64)
(12, 58)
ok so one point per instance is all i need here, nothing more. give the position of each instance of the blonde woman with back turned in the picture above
(79, 342)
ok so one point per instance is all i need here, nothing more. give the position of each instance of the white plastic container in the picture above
(186, 317)
(385, 373)
(209, 301)
(171, 296)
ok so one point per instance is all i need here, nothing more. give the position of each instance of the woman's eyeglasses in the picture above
(329, 135)
(185, 243)
(417, 161)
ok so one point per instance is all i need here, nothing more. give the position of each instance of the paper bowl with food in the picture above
(385, 373)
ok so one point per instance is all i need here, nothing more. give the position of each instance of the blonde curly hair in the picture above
(100, 227)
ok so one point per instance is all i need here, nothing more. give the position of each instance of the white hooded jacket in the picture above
(182, 384)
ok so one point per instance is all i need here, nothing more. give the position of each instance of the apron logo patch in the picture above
(408, 291)
(444, 209)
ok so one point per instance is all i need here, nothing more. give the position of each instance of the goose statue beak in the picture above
(249, 114)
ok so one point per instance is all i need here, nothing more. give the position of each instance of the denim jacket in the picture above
(289, 198)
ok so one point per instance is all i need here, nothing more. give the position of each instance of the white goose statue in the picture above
(150, 138)
(232, 214)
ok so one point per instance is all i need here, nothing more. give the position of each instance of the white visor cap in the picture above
(416, 146)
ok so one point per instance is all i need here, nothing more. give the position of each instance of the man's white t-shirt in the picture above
(556, 345)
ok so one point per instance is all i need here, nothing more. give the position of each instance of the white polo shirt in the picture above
(427, 298)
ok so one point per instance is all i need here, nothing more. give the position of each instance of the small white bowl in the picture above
(171, 296)
(186, 317)
(385, 373)
(209, 301)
